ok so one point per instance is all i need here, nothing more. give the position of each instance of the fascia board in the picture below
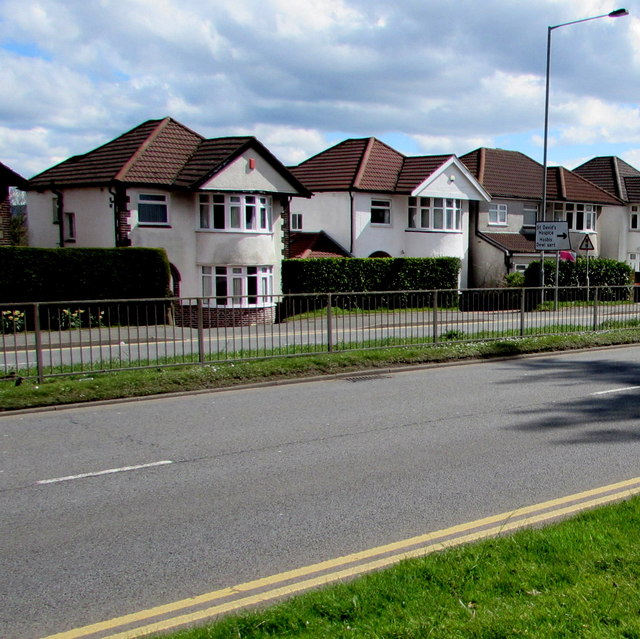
(453, 161)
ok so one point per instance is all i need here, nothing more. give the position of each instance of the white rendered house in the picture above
(376, 202)
(214, 205)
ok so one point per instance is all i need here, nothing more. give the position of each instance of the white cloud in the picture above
(295, 71)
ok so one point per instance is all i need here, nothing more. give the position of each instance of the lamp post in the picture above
(614, 14)
(542, 214)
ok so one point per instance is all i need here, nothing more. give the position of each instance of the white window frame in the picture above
(532, 211)
(435, 214)
(235, 212)
(573, 212)
(633, 259)
(158, 200)
(69, 226)
(634, 218)
(520, 268)
(382, 208)
(498, 214)
(296, 221)
(237, 286)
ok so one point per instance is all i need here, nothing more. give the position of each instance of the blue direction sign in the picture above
(552, 236)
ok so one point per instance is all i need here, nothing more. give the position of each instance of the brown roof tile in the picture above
(507, 174)
(514, 242)
(632, 187)
(609, 173)
(366, 164)
(567, 186)
(9, 177)
(416, 170)
(305, 245)
(157, 152)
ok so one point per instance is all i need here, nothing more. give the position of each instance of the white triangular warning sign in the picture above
(586, 244)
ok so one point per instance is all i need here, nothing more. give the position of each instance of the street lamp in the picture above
(614, 14)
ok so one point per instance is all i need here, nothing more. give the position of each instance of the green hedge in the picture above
(333, 275)
(602, 272)
(41, 275)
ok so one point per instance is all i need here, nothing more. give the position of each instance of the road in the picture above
(216, 489)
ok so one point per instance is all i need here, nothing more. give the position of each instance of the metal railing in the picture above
(61, 338)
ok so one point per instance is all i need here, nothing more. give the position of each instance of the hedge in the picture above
(602, 272)
(41, 275)
(340, 275)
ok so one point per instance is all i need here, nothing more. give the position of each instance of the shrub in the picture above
(39, 275)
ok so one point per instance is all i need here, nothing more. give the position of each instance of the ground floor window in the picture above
(238, 285)
(634, 261)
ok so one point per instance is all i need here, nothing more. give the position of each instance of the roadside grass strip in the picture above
(464, 593)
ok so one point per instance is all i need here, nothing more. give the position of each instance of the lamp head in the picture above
(618, 13)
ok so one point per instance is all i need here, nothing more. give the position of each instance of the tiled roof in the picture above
(416, 169)
(366, 164)
(514, 242)
(632, 186)
(131, 157)
(8, 177)
(157, 152)
(565, 185)
(508, 174)
(320, 244)
(609, 173)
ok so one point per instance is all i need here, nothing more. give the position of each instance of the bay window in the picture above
(240, 213)
(434, 214)
(579, 217)
(237, 286)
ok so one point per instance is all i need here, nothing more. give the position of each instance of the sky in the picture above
(425, 76)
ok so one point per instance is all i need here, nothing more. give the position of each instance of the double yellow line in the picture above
(177, 614)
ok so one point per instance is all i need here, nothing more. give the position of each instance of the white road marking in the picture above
(104, 472)
(616, 390)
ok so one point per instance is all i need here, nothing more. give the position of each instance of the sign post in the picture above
(552, 236)
(587, 245)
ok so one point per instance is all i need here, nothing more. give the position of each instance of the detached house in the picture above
(376, 202)
(503, 235)
(214, 205)
(8, 178)
(620, 237)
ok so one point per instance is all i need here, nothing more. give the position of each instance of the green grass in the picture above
(151, 381)
(579, 578)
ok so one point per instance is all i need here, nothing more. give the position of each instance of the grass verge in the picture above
(139, 383)
(578, 578)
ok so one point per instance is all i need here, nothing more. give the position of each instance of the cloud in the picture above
(296, 72)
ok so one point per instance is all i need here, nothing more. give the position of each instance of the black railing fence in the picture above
(62, 338)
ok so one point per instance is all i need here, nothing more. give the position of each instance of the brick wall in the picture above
(220, 317)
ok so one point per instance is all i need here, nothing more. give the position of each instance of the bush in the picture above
(602, 272)
(340, 275)
(40, 275)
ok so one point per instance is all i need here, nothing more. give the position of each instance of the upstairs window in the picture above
(381, 212)
(296, 221)
(498, 214)
(634, 218)
(434, 214)
(529, 215)
(579, 217)
(220, 212)
(152, 209)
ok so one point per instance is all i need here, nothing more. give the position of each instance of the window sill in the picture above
(239, 231)
(154, 226)
(450, 231)
(380, 225)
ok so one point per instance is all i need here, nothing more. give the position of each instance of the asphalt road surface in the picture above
(215, 489)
